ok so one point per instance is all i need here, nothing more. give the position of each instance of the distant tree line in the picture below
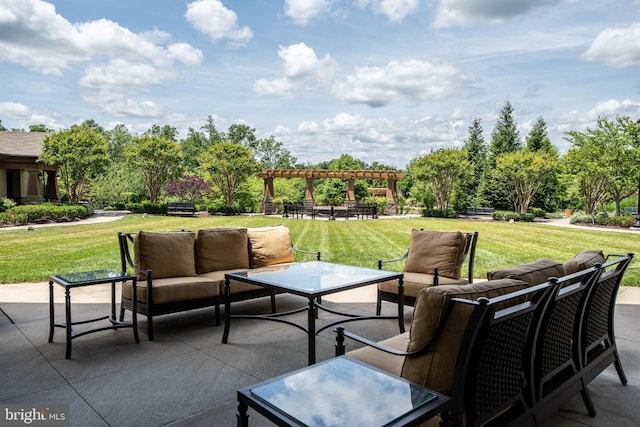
(218, 169)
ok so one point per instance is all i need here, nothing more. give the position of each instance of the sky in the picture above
(382, 80)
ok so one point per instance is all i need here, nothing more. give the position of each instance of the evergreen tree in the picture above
(537, 141)
(505, 137)
(465, 193)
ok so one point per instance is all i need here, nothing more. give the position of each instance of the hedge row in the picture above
(25, 214)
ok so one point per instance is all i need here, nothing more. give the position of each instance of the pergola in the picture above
(392, 176)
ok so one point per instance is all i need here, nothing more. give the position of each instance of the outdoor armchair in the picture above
(433, 258)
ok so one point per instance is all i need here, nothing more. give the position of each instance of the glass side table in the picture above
(89, 278)
(341, 392)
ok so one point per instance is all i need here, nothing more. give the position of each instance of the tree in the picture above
(39, 128)
(604, 161)
(119, 139)
(166, 132)
(2, 128)
(441, 170)
(523, 172)
(193, 146)
(228, 165)
(189, 187)
(273, 155)
(537, 141)
(80, 151)
(241, 134)
(505, 137)
(467, 192)
(156, 158)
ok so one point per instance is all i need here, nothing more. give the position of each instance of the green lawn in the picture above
(33, 255)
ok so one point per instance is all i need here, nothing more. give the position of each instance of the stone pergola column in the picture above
(351, 194)
(268, 207)
(392, 207)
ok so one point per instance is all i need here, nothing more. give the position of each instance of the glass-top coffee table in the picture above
(340, 392)
(312, 280)
(89, 278)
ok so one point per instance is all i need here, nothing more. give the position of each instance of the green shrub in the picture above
(439, 213)
(46, 211)
(12, 218)
(158, 208)
(508, 216)
(537, 212)
(6, 204)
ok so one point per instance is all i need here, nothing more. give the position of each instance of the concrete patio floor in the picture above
(187, 377)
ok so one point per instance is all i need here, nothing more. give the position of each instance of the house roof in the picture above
(21, 144)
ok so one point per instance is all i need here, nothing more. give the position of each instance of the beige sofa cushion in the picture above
(429, 249)
(221, 249)
(269, 246)
(435, 368)
(534, 272)
(415, 282)
(166, 254)
(380, 359)
(218, 277)
(173, 289)
(583, 260)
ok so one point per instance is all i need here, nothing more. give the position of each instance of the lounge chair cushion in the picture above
(534, 272)
(269, 246)
(442, 249)
(167, 254)
(428, 314)
(221, 249)
(415, 282)
(171, 289)
(583, 260)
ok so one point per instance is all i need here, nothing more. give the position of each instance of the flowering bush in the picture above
(188, 187)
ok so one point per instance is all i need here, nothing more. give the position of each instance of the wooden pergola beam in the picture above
(326, 173)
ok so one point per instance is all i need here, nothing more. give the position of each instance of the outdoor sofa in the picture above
(567, 321)
(185, 270)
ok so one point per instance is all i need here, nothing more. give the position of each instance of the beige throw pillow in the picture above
(534, 272)
(166, 254)
(269, 246)
(442, 249)
(583, 260)
(221, 249)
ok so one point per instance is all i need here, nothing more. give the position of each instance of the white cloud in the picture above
(452, 13)
(15, 110)
(212, 18)
(278, 87)
(395, 10)
(616, 47)
(301, 68)
(122, 106)
(411, 80)
(301, 11)
(613, 107)
(120, 73)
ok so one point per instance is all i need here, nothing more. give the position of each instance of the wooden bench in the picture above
(181, 208)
